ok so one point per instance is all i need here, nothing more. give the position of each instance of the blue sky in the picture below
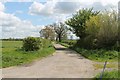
(22, 18)
(21, 9)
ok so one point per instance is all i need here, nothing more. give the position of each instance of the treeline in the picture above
(95, 29)
(11, 39)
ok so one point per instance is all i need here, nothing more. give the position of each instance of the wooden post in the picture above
(103, 70)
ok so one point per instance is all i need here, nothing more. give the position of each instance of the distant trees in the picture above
(12, 39)
(54, 31)
(48, 33)
(60, 30)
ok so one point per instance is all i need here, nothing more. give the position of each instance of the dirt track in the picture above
(64, 63)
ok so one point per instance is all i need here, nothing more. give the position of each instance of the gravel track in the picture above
(64, 63)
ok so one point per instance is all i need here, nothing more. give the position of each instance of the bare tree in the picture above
(60, 30)
(48, 33)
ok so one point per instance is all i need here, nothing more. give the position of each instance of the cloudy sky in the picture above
(22, 18)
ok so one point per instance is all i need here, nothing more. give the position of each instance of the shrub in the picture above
(46, 43)
(31, 44)
(104, 29)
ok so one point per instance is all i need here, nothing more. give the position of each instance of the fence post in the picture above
(103, 70)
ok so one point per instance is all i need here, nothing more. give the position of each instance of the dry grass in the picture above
(110, 65)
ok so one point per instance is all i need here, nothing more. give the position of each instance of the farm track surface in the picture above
(64, 63)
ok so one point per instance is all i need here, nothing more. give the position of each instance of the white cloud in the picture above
(67, 7)
(53, 7)
(12, 26)
(39, 9)
(58, 9)
(2, 7)
(19, 0)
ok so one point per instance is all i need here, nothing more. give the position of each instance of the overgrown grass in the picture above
(112, 75)
(12, 54)
(66, 45)
(100, 55)
(110, 65)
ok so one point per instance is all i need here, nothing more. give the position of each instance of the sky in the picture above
(22, 18)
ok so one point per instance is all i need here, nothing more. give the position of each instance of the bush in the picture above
(31, 44)
(45, 43)
(104, 29)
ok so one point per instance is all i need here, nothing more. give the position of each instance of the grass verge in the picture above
(99, 55)
(108, 75)
(110, 65)
(12, 55)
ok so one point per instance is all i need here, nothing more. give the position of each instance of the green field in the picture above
(12, 54)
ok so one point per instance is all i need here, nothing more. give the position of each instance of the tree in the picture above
(48, 33)
(103, 29)
(78, 24)
(108, 32)
(60, 30)
(92, 28)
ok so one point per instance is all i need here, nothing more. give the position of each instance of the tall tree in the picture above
(77, 22)
(60, 30)
(48, 33)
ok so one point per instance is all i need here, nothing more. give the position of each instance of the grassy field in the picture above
(12, 54)
(100, 55)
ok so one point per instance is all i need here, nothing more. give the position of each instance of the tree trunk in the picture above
(59, 36)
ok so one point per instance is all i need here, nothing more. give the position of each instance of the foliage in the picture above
(45, 43)
(109, 75)
(108, 32)
(12, 54)
(103, 29)
(77, 22)
(93, 25)
(69, 42)
(95, 30)
(98, 54)
(93, 54)
(60, 30)
(48, 33)
(31, 44)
